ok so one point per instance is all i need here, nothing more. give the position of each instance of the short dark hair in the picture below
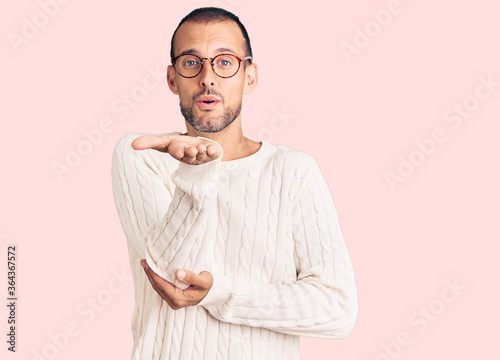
(210, 15)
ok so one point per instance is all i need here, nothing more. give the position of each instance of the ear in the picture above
(251, 78)
(171, 79)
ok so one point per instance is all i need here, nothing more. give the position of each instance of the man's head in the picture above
(207, 32)
(212, 15)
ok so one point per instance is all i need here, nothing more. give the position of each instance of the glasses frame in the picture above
(240, 60)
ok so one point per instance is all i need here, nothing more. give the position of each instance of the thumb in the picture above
(191, 278)
(186, 276)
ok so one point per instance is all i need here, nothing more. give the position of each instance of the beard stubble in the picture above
(209, 124)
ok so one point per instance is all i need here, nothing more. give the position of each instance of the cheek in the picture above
(234, 94)
(185, 98)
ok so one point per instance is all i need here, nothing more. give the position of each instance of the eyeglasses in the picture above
(223, 65)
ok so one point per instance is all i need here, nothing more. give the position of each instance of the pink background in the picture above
(360, 116)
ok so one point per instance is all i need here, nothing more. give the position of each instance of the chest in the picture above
(254, 239)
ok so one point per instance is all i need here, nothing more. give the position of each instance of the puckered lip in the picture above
(208, 98)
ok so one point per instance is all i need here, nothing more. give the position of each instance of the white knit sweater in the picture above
(264, 225)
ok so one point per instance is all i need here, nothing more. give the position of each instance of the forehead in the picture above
(208, 39)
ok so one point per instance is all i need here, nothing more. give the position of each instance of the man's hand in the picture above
(188, 149)
(175, 297)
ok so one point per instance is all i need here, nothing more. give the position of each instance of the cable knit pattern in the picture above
(265, 226)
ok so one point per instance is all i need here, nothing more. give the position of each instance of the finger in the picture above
(148, 272)
(191, 278)
(159, 143)
(176, 150)
(202, 150)
(159, 283)
(163, 284)
(160, 292)
(212, 150)
(155, 285)
(154, 279)
(190, 155)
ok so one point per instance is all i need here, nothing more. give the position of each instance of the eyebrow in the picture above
(219, 50)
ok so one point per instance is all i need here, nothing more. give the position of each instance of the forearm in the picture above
(142, 194)
(161, 211)
(309, 307)
(186, 233)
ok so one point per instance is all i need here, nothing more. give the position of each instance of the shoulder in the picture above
(298, 161)
(302, 172)
(291, 168)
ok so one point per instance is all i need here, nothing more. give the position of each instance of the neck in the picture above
(231, 139)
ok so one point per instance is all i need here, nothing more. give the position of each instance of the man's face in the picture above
(207, 41)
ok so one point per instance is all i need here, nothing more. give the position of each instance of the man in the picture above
(239, 240)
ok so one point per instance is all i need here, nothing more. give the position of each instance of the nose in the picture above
(207, 74)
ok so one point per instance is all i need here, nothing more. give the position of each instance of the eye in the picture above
(225, 61)
(190, 63)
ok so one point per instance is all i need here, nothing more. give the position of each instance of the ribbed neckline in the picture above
(246, 159)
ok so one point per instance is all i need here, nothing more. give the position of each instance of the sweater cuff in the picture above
(199, 174)
(218, 294)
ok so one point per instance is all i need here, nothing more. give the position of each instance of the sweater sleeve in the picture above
(322, 302)
(168, 219)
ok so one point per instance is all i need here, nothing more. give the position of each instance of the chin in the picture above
(208, 128)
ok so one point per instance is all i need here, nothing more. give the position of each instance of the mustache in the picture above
(208, 92)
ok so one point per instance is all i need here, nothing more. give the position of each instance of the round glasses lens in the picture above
(226, 65)
(188, 65)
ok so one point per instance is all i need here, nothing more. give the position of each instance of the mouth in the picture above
(208, 102)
